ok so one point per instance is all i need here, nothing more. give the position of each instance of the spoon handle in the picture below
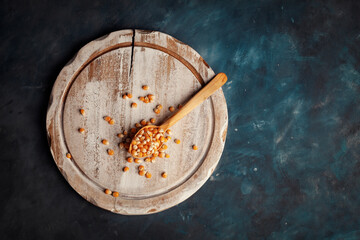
(219, 80)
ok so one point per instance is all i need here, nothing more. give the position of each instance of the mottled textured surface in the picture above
(291, 165)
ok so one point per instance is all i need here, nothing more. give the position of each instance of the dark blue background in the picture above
(291, 164)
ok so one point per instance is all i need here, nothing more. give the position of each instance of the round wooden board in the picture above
(95, 80)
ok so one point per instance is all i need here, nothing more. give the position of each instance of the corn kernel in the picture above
(142, 173)
(195, 147)
(105, 142)
(112, 122)
(125, 169)
(115, 194)
(110, 152)
(134, 105)
(150, 96)
(177, 141)
(81, 130)
(152, 120)
(129, 95)
(107, 191)
(145, 87)
(68, 155)
(107, 118)
(164, 175)
(82, 112)
(148, 175)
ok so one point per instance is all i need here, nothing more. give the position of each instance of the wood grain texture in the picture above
(95, 80)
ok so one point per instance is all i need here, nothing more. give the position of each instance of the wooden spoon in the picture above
(219, 80)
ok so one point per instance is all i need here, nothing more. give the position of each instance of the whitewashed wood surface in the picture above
(95, 80)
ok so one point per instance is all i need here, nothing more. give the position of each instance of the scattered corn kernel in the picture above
(141, 172)
(133, 130)
(159, 106)
(180, 106)
(81, 130)
(68, 155)
(125, 169)
(125, 132)
(121, 145)
(164, 146)
(156, 110)
(110, 152)
(167, 155)
(143, 122)
(82, 112)
(147, 159)
(164, 175)
(168, 132)
(177, 141)
(138, 125)
(195, 147)
(162, 154)
(142, 99)
(145, 87)
(112, 122)
(152, 120)
(105, 142)
(107, 191)
(107, 118)
(148, 175)
(120, 135)
(134, 105)
(171, 109)
(129, 95)
(124, 96)
(115, 194)
(129, 159)
(168, 138)
(141, 168)
(146, 100)
(150, 96)
(136, 160)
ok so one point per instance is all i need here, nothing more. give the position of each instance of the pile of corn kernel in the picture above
(148, 143)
